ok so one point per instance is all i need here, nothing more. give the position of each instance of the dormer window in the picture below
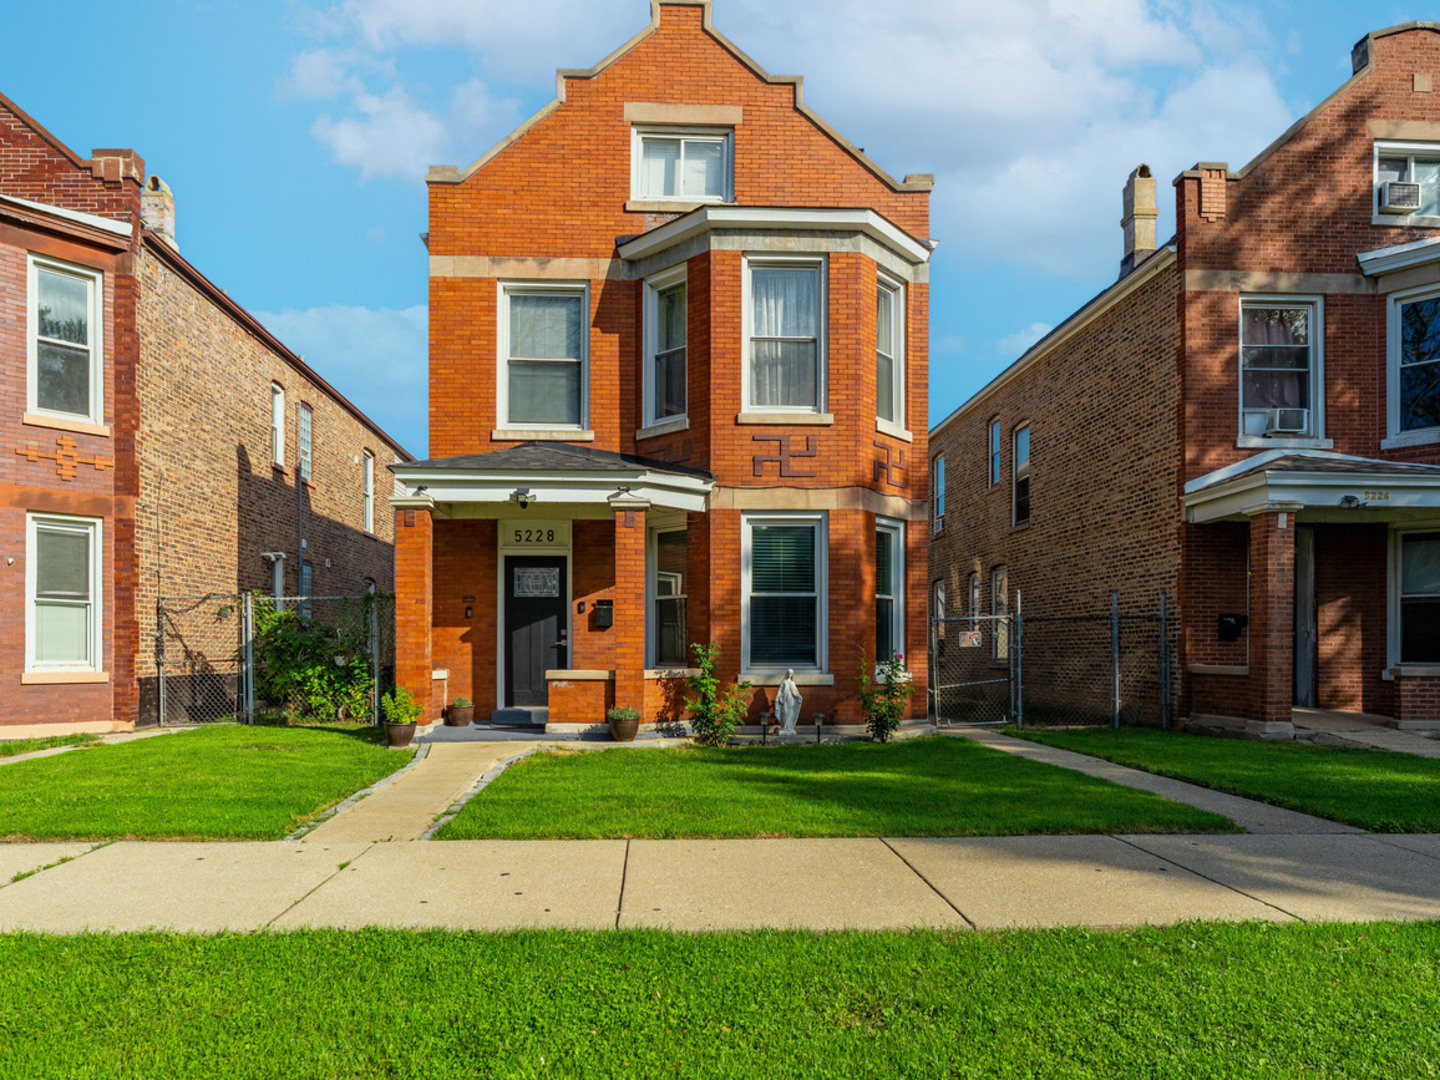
(1407, 182)
(681, 165)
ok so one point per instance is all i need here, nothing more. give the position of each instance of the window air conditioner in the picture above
(1287, 422)
(1399, 197)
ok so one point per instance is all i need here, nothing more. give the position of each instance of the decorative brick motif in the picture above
(65, 458)
(784, 456)
(892, 461)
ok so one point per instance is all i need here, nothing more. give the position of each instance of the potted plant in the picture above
(461, 712)
(401, 713)
(624, 724)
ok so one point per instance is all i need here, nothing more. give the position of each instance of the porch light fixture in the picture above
(522, 497)
(1350, 502)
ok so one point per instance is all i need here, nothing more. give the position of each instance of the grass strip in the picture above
(11, 747)
(222, 783)
(921, 787)
(1371, 789)
(1198, 1001)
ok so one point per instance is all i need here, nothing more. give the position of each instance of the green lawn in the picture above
(222, 783)
(1374, 790)
(1197, 1001)
(11, 747)
(921, 787)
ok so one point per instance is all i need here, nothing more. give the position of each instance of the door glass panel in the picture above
(532, 581)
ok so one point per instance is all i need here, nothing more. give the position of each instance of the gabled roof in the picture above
(449, 174)
(44, 133)
(542, 457)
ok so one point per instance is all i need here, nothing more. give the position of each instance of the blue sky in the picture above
(296, 135)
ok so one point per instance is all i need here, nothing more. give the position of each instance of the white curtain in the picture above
(785, 354)
(545, 329)
(659, 167)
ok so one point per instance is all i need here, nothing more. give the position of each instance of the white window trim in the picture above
(897, 426)
(937, 513)
(747, 324)
(304, 459)
(502, 351)
(277, 577)
(821, 523)
(724, 136)
(1394, 436)
(277, 424)
(95, 284)
(994, 454)
(367, 481)
(96, 628)
(1316, 440)
(678, 275)
(896, 529)
(1392, 590)
(1393, 148)
(1015, 476)
(657, 524)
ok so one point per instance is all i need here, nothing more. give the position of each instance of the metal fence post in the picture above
(1019, 662)
(160, 653)
(250, 658)
(1115, 649)
(1164, 662)
(374, 659)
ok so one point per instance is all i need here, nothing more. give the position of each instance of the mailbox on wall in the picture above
(604, 614)
(1232, 626)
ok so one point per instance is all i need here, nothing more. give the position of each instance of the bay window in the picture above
(1414, 376)
(889, 355)
(889, 589)
(544, 353)
(783, 569)
(1419, 600)
(665, 348)
(784, 315)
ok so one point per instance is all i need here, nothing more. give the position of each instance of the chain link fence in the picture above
(972, 676)
(248, 658)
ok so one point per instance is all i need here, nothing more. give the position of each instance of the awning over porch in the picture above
(1316, 485)
(556, 474)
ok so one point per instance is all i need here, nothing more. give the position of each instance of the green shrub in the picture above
(317, 670)
(715, 711)
(883, 695)
(463, 702)
(625, 712)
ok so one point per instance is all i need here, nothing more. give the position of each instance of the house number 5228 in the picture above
(534, 536)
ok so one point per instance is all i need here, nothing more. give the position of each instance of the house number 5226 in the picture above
(1377, 496)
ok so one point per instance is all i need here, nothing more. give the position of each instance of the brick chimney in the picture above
(1139, 219)
(157, 210)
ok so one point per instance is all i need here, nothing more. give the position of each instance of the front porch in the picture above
(1313, 583)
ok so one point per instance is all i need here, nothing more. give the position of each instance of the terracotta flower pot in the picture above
(460, 716)
(401, 734)
(624, 730)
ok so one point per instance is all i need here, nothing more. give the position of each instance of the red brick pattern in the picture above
(414, 578)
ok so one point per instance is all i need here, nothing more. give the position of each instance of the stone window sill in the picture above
(542, 435)
(1411, 671)
(1238, 670)
(62, 678)
(775, 678)
(1423, 437)
(1261, 442)
(563, 675)
(786, 419)
(664, 427)
(895, 431)
(672, 673)
(57, 423)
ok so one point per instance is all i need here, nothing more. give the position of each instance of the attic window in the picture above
(1407, 181)
(688, 165)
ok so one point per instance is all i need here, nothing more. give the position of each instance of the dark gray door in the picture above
(1306, 630)
(536, 602)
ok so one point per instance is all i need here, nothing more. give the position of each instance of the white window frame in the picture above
(658, 524)
(896, 288)
(1410, 151)
(95, 285)
(95, 636)
(1394, 572)
(305, 433)
(1315, 438)
(896, 529)
(508, 289)
(277, 577)
(1396, 437)
(994, 459)
(1016, 474)
(1000, 599)
(938, 508)
(367, 474)
(678, 275)
(819, 263)
(640, 132)
(821, 522)
(277, 424)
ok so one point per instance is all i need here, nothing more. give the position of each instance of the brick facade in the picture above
(1120, 429)
(518, 216)
(187, 498)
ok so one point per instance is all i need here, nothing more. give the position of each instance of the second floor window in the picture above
(994, 454)
(939, 474)
(1415, 364)
(277, 424)
(686, 166)
(65, 342)
(665, 381)
(889, 355)
(1022, 475)
(306, 438)
(786, 328)
(543, 377)
(1279, 366)
(368, 482)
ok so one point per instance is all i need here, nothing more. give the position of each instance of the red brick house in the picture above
(677, 394)
(152, 434)
(1248, 419)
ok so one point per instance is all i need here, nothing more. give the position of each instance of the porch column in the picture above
(629, 628)
(414, 600)
(1272, 624)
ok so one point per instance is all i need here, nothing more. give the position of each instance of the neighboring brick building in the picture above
(678, 382)
(1302, 500)
(136, 441)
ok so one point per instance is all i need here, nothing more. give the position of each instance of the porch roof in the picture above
(556, 474)
(1322, 485)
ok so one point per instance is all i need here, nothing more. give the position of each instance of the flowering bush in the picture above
(883, 694)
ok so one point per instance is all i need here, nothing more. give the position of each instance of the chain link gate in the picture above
(225, 658)
(973, 670)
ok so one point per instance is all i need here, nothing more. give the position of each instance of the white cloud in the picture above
(1012, 345)
(377, 356)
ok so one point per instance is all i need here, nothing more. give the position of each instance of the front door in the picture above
(536, 603)
(1306, 628)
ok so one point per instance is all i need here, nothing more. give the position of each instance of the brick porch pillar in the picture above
(629, 628)
(1272, 624)
(414, 600)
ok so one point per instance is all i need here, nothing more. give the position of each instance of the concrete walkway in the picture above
(1097, 881)
(1355, 729)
